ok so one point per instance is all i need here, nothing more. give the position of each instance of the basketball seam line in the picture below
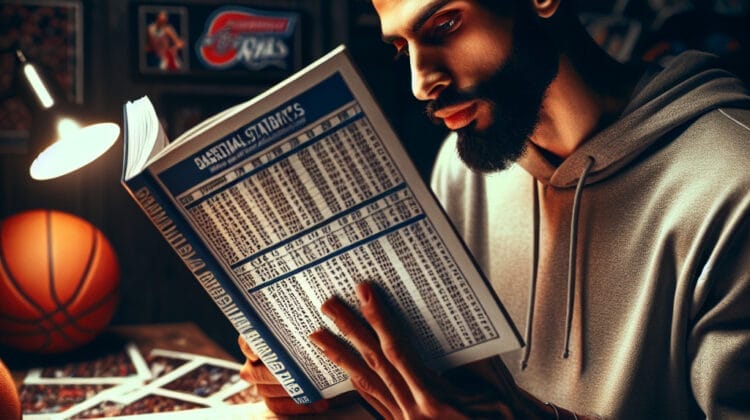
(51, 279)
(105, 299)
(90, 309)
(63, 307)
(86, 272)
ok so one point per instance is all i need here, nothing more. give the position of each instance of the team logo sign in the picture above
(237, 35)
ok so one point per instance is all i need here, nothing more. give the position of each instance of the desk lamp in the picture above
(76, 145)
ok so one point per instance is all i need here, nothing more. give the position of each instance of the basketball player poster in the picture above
(163, 39)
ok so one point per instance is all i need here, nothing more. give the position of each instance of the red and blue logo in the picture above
(255, 39)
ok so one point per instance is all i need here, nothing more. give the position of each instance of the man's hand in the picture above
(274, 395)
(389, 376)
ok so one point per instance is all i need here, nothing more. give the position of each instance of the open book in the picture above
(280, 202)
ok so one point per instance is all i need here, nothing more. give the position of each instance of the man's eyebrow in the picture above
(423, 17)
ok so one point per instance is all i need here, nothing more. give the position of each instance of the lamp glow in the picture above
(75, 148)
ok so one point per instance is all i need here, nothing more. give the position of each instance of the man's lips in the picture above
(457, 116)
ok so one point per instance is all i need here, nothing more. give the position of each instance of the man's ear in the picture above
(545, 8)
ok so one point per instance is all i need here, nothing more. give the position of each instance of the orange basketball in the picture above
(58, 281)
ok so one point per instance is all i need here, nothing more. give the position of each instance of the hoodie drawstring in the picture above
(572, 254)
(534, 264)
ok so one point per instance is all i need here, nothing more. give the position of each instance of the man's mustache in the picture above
(450, 96)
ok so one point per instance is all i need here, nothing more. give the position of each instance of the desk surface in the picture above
(183, 337)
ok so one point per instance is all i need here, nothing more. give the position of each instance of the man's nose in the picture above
(428, 77)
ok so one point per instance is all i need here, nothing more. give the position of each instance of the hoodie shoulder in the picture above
(714, 151)
(723, 134)
(690, 88)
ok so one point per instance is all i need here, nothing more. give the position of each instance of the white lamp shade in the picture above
(76, 147)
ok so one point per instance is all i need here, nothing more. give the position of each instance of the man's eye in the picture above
(446, 24)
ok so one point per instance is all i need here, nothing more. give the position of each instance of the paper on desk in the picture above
(183, 383)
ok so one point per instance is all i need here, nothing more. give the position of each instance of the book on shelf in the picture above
(296, 195)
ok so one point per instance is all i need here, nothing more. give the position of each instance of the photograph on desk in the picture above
(114, 368)
(53, 390)
(44, 400)
(161, 365)
(193, 375)
(162, 381)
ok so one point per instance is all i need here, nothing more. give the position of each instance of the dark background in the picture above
(155, 286)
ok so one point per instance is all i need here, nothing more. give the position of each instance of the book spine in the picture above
(191, 250)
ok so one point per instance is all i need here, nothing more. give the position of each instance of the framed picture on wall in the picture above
(49, 32)
(163, 39)
(209, 42)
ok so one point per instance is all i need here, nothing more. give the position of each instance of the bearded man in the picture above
(608, 204)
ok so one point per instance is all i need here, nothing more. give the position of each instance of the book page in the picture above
(315, 194)
(145, 136)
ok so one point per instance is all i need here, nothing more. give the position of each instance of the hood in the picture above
(665, 99)
(688, 87)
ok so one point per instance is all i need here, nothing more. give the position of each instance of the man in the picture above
(608, 205)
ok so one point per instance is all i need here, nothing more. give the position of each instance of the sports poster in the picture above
(249, 43)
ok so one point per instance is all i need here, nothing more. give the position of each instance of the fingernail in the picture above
(313, 337)
(363, 292)
(330, 308)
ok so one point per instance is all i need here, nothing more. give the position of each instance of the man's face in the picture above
(483, 72)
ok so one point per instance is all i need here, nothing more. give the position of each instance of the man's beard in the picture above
(514, 92)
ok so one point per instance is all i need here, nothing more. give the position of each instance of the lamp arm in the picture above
(12, 87)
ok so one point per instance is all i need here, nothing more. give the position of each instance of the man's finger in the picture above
(257, 374)
(271, 391)
(396, 349)
(366, 343)
(369, 384)
(378, 406)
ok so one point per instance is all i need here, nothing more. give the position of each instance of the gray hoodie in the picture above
(629, 262)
